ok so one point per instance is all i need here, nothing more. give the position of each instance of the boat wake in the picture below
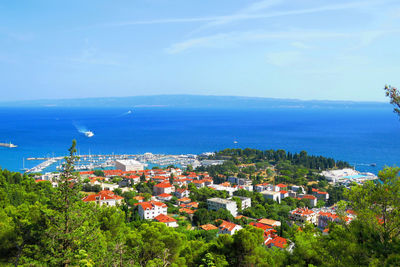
(83, 130)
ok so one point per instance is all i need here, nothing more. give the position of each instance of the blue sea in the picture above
(359, 136)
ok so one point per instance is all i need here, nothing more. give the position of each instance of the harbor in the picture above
(90, 162)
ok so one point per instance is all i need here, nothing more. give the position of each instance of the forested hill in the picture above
(192, 101)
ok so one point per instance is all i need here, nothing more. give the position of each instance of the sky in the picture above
(304, 49)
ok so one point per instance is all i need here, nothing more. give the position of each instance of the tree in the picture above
(394, 96)
(99, 173)
(378, 206)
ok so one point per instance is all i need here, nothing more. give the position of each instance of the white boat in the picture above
(89, 134)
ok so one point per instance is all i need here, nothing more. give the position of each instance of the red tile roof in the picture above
(283, 192)
(164, 195)
(227, 226)
(208, 227)
(302, 212)
(164, 218)
(278, 241)
(281, 185)
(102, 195)
(163, 185)
(150, 204)
(185, 210)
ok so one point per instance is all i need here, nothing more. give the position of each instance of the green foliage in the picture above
(99, 173)
(45, 226)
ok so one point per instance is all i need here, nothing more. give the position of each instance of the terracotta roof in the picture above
(283, 192)
(163, 185)
(164, 195)
(208, 227)
(309, 197)
(302, 212)
(328, 214)
(227, 226)
(138, 198)
(281, 185)
(185, 210)
(267, 221)
(181, 190)
(102, 195)
(278, 241)
(164, 218)
(150, 204)
(184, 199)
(260, 225)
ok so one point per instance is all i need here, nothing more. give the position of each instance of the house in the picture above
(246, 202)
(182, 192)
(199, 183)
(324, 218)
(276, 241)
(184, 200)
(139, 198)
(151, 209)
(282, 187)
(275, 196)
(208, 181)
(264, 227)
(284, 194)
(167, 220)
(104, 197)
(164, 197)
(298, 189)
(229, 228)
(208, 227)
(321, 195)
(134, 179)
(312, 199)
(163, 188)
(187, 211)
(303, 215)
(239, 181)
(270, 222)
(220, 203)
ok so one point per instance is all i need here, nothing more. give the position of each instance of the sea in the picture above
(361, 136)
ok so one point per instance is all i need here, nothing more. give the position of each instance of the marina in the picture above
(90, 162)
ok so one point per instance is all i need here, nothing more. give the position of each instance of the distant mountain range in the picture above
(193, 101)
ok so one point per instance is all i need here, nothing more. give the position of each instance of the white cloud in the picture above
(220, 40)
(251, 13)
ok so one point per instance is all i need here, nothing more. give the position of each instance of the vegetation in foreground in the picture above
(45, 226)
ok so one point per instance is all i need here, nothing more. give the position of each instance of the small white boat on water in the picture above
(89, 134)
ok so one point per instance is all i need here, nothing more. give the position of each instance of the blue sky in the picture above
(308, 49)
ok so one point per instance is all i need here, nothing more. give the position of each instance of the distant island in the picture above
(193, 101)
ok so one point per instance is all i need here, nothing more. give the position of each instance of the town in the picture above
(210, 198)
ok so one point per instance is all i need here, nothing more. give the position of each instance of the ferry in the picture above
(8, 145)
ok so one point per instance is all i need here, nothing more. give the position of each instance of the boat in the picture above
(372, 164)
(8, 145)
(89, 134)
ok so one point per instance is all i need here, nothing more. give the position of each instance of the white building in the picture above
(303, 215)
(229, 228)
(151, 209)
(167, 220)
(220, 203)
(129, 165)
(275, 196)
(246, 202)
(104, 197)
